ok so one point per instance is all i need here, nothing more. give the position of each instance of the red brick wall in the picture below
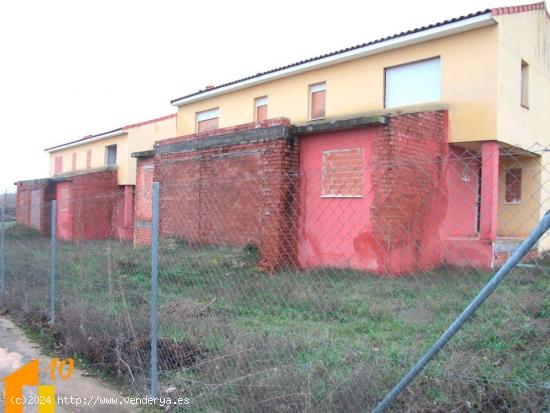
(99, 208)
(143, 201)
(231, 194)
(408, 190)
(97, 205)
(23, 203)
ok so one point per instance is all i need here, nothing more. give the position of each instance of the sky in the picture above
(73, 68)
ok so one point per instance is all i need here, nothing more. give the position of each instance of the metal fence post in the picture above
(154, 291)
(2, 255)
(486, 291)
(53, 261)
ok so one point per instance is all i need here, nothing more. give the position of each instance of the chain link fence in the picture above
(300, 313)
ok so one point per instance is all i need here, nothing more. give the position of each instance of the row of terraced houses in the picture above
(407, 152)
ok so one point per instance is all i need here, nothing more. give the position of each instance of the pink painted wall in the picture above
(418, 208)
(329, 227)
(64, 225)
(123, 214)
(462, 170)
(460, 242)
(489, 190)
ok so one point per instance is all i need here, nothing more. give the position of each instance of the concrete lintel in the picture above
(228, 139)
(35, 181)
(143, 154)
(336, 124)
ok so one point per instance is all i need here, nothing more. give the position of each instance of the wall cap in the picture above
(143, 154)
(228, 139)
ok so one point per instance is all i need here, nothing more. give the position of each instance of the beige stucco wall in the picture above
(525, 36)
(98, 156)
(545, 196)
(517, 220)
(142, 138)
(138, 138)
(469, 88)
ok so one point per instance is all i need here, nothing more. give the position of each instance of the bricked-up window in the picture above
(208, 120)
(413, 83)
(260, 106)
(58, 164)
(74, 162)
(343, 173)
(524, 84)
(110, 155)
(317, 101)
(512, 193)
(88, 158)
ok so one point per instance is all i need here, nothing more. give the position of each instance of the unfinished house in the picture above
(92, 179)
(402, 153)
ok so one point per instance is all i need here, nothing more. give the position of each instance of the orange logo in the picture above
(29, 375)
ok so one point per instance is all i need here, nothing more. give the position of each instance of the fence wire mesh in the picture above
(316, 301)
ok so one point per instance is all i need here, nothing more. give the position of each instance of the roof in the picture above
(211, 90)
(519, 9)
(112, 133)
(102, 135)
(147, 122)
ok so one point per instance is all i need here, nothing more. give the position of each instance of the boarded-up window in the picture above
(524, 84)
(110, 155)
(36, 196)
(58, 164)
(317, 101)
(261, 109)
(88, 158)
(343, 173)
(74, 162)
(208, 120)
(513, 186)
(413, 83)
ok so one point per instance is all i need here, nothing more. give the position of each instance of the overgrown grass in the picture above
(316, 340)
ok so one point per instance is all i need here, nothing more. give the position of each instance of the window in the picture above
(208, 120)
(342, 173)
(413, 83)
(260, 107)
(524, 84)
(317, 98)
(88, 158)
(110, 155)
(58, 164)
(74, 162)
(513, 186)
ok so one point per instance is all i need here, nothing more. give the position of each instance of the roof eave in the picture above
(99, 137)
(449, 29)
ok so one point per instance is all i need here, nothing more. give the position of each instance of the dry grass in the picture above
(315, 341)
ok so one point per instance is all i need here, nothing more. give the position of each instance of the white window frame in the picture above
(316, 87)
(206, 115)
(524, 91)
(259, 102)
(405, 98)
(107, 155)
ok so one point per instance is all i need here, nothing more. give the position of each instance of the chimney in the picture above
(208, 87)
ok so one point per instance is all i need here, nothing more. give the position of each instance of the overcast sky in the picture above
(71, 68)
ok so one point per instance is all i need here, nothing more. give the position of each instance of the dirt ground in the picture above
(16, 350)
